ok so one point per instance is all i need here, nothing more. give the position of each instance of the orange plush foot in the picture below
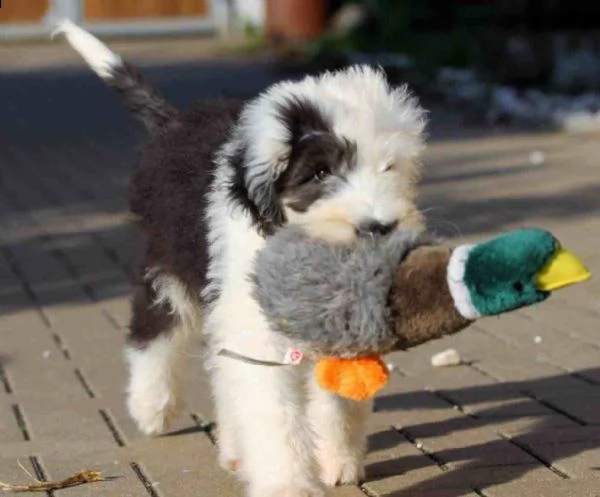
(357, 379)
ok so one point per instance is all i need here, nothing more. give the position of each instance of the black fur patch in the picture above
(302, 117)
(168, 193)
(317, 164)
(140, 98)
(148, 320)
(317, 155)
(239, 194)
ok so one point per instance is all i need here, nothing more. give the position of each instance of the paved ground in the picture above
(522, 419)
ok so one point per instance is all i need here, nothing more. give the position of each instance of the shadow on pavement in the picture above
(552, 437)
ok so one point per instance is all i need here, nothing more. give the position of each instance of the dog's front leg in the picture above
(340, 426)
(274, 436)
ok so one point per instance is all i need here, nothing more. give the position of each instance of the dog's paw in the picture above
(230, 465)
(153, 412)
(342, 471)
(228, 455)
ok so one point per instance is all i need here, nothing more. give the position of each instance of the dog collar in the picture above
(292, 357)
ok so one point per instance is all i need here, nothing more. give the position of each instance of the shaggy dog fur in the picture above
(336, 154)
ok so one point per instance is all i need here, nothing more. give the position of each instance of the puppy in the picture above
(337, 154)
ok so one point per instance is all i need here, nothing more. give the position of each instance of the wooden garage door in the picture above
(26, 11)
(138, 9)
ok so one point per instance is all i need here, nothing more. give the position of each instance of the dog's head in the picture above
(338, 154)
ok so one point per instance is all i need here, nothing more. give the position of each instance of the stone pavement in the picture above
(521, 418)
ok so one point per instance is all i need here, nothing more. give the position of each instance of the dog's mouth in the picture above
(335, 226)
(375, 229)
(333, 231)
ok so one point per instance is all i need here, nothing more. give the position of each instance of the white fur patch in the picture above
(171, 292)
(156, 371)
(259, 409)
(458, 289)
(154, 390)
(98, 56)
(341, 429)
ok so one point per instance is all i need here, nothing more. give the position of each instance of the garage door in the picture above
(27, 18)
(23, 11)
(142, 9)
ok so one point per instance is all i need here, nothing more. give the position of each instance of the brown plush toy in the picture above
(347, 305)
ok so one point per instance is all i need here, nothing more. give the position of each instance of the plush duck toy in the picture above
(346, 305)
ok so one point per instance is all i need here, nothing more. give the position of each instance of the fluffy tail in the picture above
(142, 100)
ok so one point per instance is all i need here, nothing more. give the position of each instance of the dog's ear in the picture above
(253, 187)
(270, 131)
(262, 187)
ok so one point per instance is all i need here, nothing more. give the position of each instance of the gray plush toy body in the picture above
(331, 299)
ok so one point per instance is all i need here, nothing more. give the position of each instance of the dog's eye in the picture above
(321, 174)
(388, 167)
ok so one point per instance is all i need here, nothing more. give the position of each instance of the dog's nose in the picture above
(375, 228)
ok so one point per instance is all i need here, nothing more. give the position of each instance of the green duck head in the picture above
(513, 270)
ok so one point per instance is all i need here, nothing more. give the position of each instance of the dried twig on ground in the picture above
(85, 476)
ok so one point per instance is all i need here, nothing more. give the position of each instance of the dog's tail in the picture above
(142, 100)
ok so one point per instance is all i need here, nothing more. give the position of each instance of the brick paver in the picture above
(521, 418)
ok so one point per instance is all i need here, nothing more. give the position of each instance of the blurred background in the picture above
(527, 61)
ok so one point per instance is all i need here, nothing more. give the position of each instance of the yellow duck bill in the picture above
(563, 269)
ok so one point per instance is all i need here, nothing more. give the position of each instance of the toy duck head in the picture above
(510, 271)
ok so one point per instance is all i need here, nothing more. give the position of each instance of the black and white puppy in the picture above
(337, 154)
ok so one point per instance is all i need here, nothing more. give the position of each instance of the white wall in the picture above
(251, 11)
